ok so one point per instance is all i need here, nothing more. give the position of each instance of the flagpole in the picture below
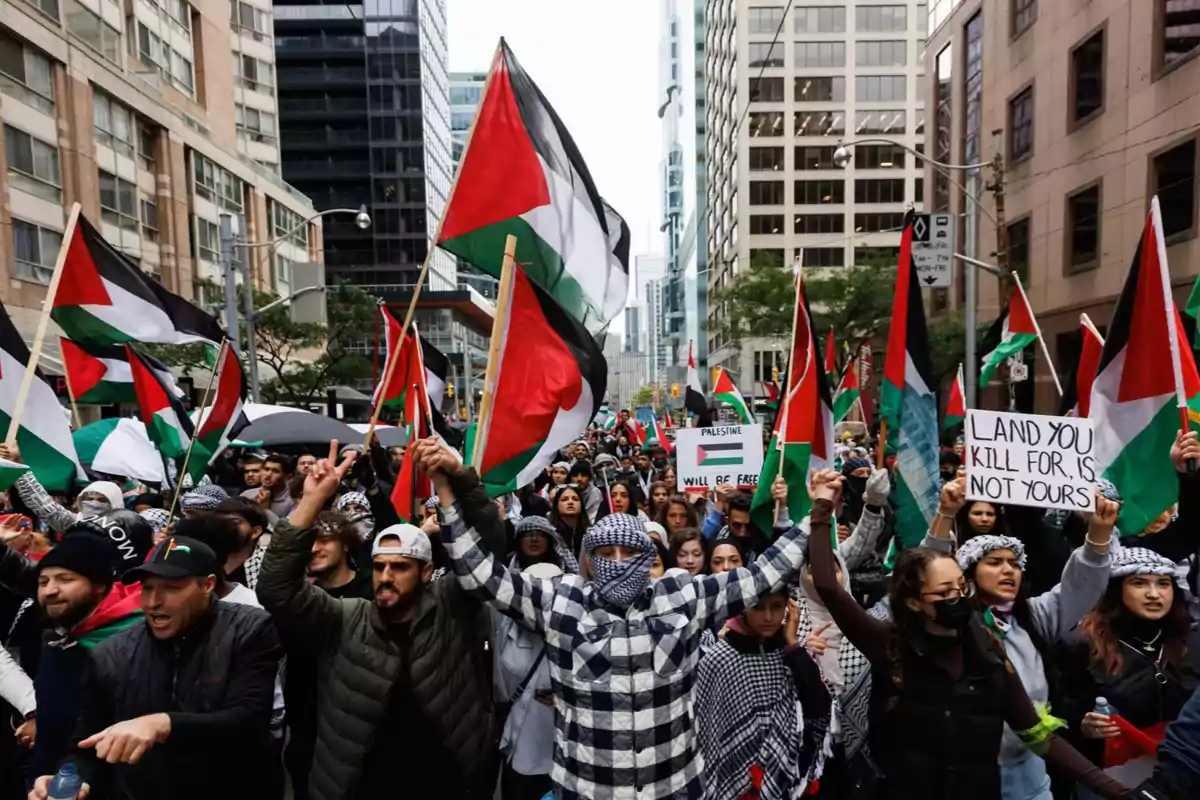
(1041, 339)
(71, 396)
(424, 385)
(35, 352)
(499, 323)
(1185, 422)
(1086, 321)
(187, 457)
(780, 442)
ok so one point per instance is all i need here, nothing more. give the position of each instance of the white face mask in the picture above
(365, 527)
(91, 508)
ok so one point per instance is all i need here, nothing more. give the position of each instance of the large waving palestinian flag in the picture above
(1147, 373)
(105, 299)
(522, 174)
(848, 394)
(726, 391)
(224, 416)
(417, 362)
(908, 403)
(102, 376)
(44, 437)
(549, 383)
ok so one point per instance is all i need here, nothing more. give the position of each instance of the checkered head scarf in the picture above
(1140, 561)
(197, 501)
(977, 547)
(620, 582)
(211, 490)
(157, 517)
(353, 499)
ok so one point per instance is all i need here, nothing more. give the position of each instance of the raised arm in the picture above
(861, 543)
(39, 501)
(1058, 611)
(730, 593)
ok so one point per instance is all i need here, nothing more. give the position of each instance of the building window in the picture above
(1087, 78)
(1020, 125)
(174, 67)
(254, 125)
(113, 123)
(32, 164)
(25, 75)
(820, 223)
(1175, 185)
(149, 209)
(766, 54)
(216, 184)
(766, 90)
(811, 19)
(1083, 229)
(820, 90)
(820, 192)
(118, 201)
(255, 75)
(1024, 14)
(287, 223)
(919, 190)
(1018, 248)
(808, 158)
(823, 256)
(283, 270)
(766, 158)
(820, 123)
(880, 88)
(250, 21)
(1180, 31)
(766, 123)
(820, 54)
(145, 146)
(34, 250)
(766, 193)
(878, 223)
(880, 19)
(766, 224)
(208, 241)
(182, 75)
(87, 26)
(880, 54)
(879, 156)
(765, 20)
(879, 122)
(922, 19)
(879, 190)
(770, 257)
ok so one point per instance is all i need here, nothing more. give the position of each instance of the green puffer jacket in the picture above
(449, 667)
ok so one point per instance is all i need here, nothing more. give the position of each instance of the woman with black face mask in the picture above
(943, 684)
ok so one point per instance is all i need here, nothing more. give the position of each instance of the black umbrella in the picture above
(297, 427)
(388, 435)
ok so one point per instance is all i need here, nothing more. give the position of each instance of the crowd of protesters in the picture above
(280, 629)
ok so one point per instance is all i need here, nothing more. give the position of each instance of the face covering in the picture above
(953, 614)
(365, 525)
(620, 582)
(91, 508)
(856, 485)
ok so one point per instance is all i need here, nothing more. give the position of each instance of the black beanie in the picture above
(90, 555)
(131, 535)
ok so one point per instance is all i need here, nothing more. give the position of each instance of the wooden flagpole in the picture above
(1041, 339)
(187, 457)
(35, 352)
(499, 323)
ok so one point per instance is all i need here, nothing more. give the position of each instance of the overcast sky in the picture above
(596, 61)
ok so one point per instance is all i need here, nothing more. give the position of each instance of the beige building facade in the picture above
(1094, 106)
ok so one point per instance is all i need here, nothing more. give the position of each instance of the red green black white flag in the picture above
(727, 392)
(693, 394)
(102, 376)
(1077, 397)
(167, 423)
(956, 406)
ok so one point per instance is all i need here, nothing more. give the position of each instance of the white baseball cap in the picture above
(413, 543)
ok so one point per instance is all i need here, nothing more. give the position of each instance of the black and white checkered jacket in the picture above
(622, 681)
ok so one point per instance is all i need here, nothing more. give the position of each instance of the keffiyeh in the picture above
(195, 501)
(211, 490)
(975, 548)
(566, 559)
(1140, 561)
(157, 517)
(351, 499)
(620, 582)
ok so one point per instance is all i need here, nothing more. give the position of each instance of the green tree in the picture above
(642, 397)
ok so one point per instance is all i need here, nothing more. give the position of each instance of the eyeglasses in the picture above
(964, 589)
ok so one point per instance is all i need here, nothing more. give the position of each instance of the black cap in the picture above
(176, 557)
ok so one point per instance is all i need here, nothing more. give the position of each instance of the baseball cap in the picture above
(413, 543)
(176, 557)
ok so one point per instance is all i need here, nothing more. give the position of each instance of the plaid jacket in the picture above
(622, 681)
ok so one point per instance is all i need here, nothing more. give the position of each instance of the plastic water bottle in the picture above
(1102, 707)
(66, 783)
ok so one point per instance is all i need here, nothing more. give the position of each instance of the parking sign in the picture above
(933, 249)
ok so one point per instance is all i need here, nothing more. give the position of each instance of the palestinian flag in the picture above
(105, 299)
(549, 383)
(522, 174)
(772, 395)
(120, 446)
(224, 417)
(693, 395)
(802, 435)
(1146, 376)
(727, 392)
(635, 432)
(167, 423)
(9, 472)
(1018, 330)
(102, 376)
(908, 403)
(956, 406)
(411, 489)
(44, 437)
(660, 434)
(831, 369)
(1077, 398)
(669, 424)
(848, 394)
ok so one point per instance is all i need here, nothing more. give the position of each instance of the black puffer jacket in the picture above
(216, 682)
(442, 660)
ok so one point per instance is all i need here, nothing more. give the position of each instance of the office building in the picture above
(466, 92)
(627, 373)
(1097, 111)
(783, 90)
(142, 113)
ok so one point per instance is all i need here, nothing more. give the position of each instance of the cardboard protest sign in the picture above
(708, 457)
(1030, 460)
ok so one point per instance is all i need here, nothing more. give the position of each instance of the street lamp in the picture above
(361, 218)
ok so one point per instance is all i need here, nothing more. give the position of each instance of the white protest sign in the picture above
(708, 457)
(1030, 460)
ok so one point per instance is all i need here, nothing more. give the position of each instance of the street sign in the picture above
(933, 249)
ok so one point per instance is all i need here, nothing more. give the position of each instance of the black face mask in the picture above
(856, 485)
(953, 614)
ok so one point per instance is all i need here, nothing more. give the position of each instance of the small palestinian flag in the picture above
(908, 403)
(727, 392)
(549, 383)
(1018, 330)
(772, 395)
(44, 437)
(411, 489)
(224, 417)
(723, 454)
(956, 406)
(693, 396)
(1147, 374)
(522, 174)
(105, 299)
(660, 434)
(635, 432)
(668, 423)
(102, 376)
(1077, 399)
(167, 423)
(9, 472)
(848, 394)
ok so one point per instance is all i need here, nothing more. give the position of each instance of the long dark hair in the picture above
(573, 535)
(1023, 614)
(677, 499)
(962, 522)
(682, 537)
(908, 583)
(630, 492)
(710, 546)
(651, 509)
(1102, 625)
